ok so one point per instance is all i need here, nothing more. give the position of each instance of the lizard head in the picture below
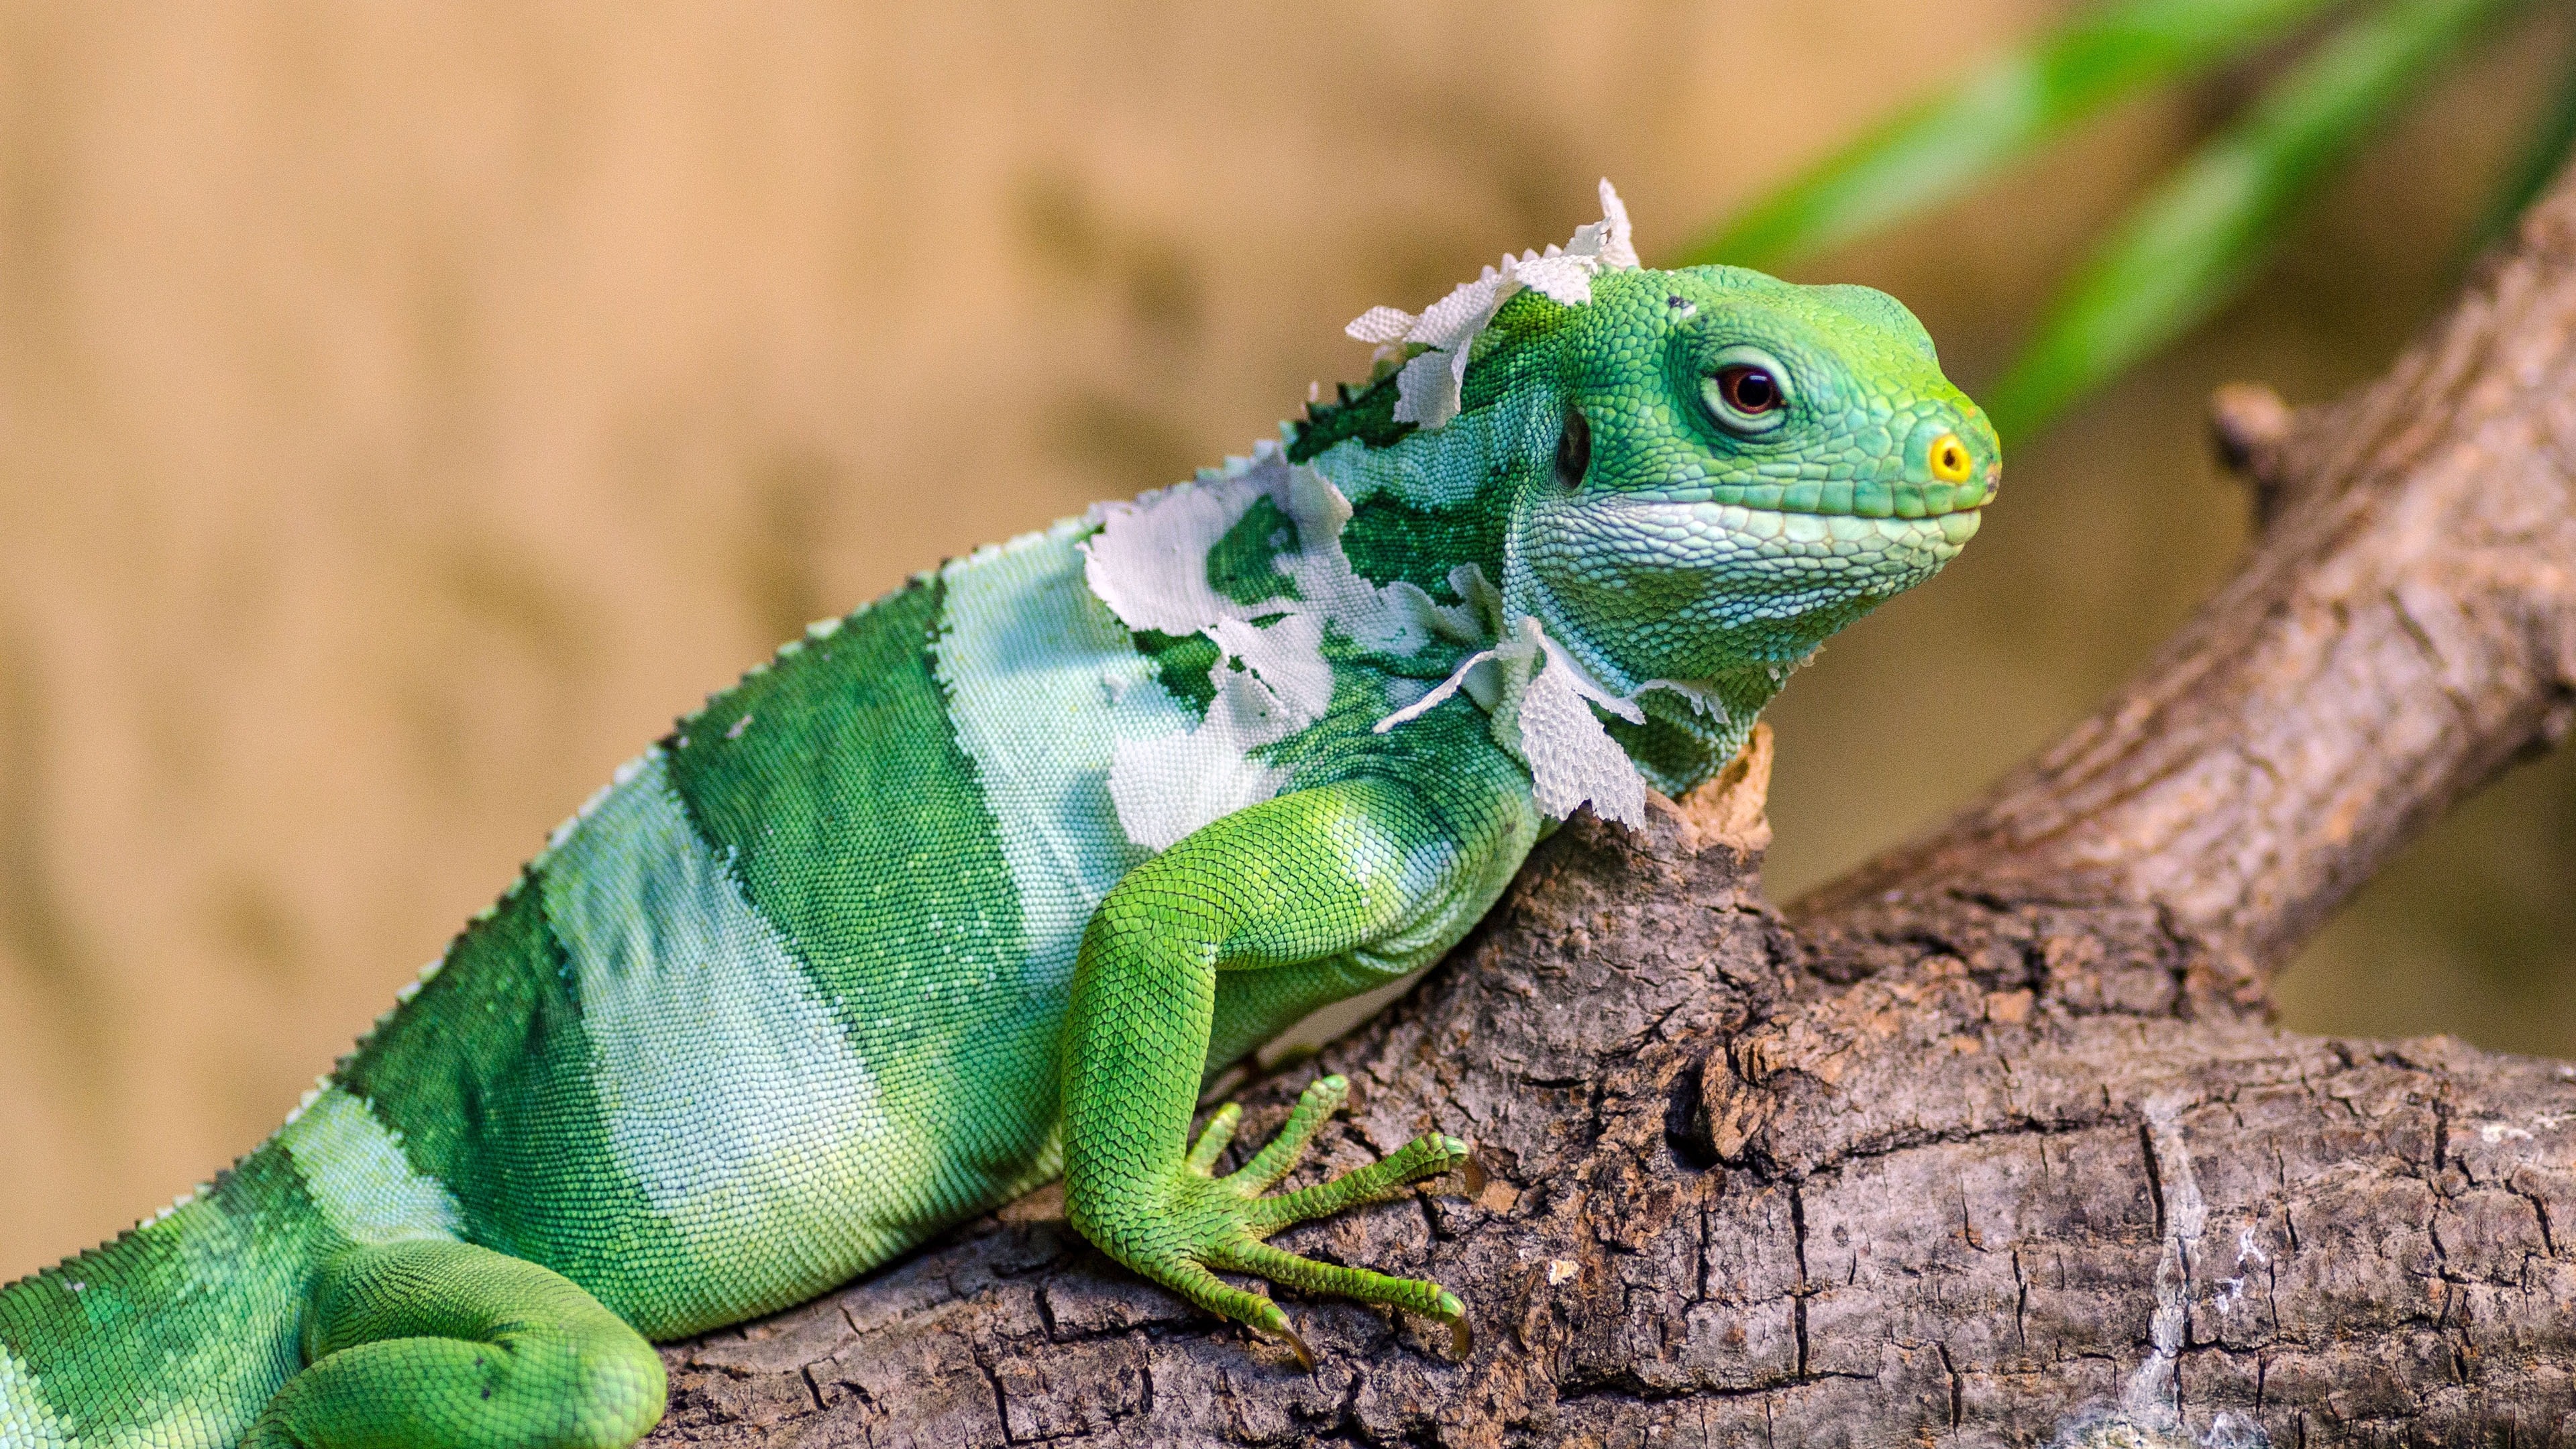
(1687, 479)
(1741, 467)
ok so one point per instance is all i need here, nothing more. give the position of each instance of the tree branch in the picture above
(1985, 1142)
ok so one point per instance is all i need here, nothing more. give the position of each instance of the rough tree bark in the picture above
(1987, 1143)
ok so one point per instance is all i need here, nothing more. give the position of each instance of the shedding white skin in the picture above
(1148, 563)
(1539, 695)
(1540, 698)
(1427, 391)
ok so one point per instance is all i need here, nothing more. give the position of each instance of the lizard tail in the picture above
(177, 1333)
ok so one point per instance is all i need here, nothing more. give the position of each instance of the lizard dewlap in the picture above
(976, 886)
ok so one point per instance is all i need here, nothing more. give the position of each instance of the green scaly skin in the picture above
(983, 882)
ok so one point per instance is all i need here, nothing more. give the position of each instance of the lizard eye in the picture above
(1746, 391)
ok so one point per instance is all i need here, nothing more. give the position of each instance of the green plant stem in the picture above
(2187, 248)
(2012, 106)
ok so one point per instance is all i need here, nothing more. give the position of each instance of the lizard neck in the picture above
(1693, 726)
(1426, 502)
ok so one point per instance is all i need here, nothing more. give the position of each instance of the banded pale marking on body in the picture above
(981, 882)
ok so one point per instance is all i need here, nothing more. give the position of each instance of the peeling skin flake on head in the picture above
(1428, 390)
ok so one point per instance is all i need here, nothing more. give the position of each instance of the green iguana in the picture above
(979, 884)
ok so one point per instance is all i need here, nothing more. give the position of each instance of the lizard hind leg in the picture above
(444, 1345)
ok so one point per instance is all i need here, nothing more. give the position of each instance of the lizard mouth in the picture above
(1808, 497)
(1654, 526)
(1645, 562)
(1821, 533)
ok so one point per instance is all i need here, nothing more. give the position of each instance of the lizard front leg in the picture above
(1297, 881)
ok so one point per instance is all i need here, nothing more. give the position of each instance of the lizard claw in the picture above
(1273, 1320)
(1471, 1178)
(1462, 1335)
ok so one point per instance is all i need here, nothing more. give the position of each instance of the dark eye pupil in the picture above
(1749, 389)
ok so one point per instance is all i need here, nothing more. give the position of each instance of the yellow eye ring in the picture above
(1949, 459)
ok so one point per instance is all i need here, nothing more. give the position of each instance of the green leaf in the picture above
(2010, 107)
(2186, 249)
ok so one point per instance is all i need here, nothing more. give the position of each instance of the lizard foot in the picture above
(1213, 1222)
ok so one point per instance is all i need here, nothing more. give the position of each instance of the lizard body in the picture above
(980, 883)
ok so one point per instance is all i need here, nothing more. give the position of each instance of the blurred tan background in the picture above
(405, 411)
